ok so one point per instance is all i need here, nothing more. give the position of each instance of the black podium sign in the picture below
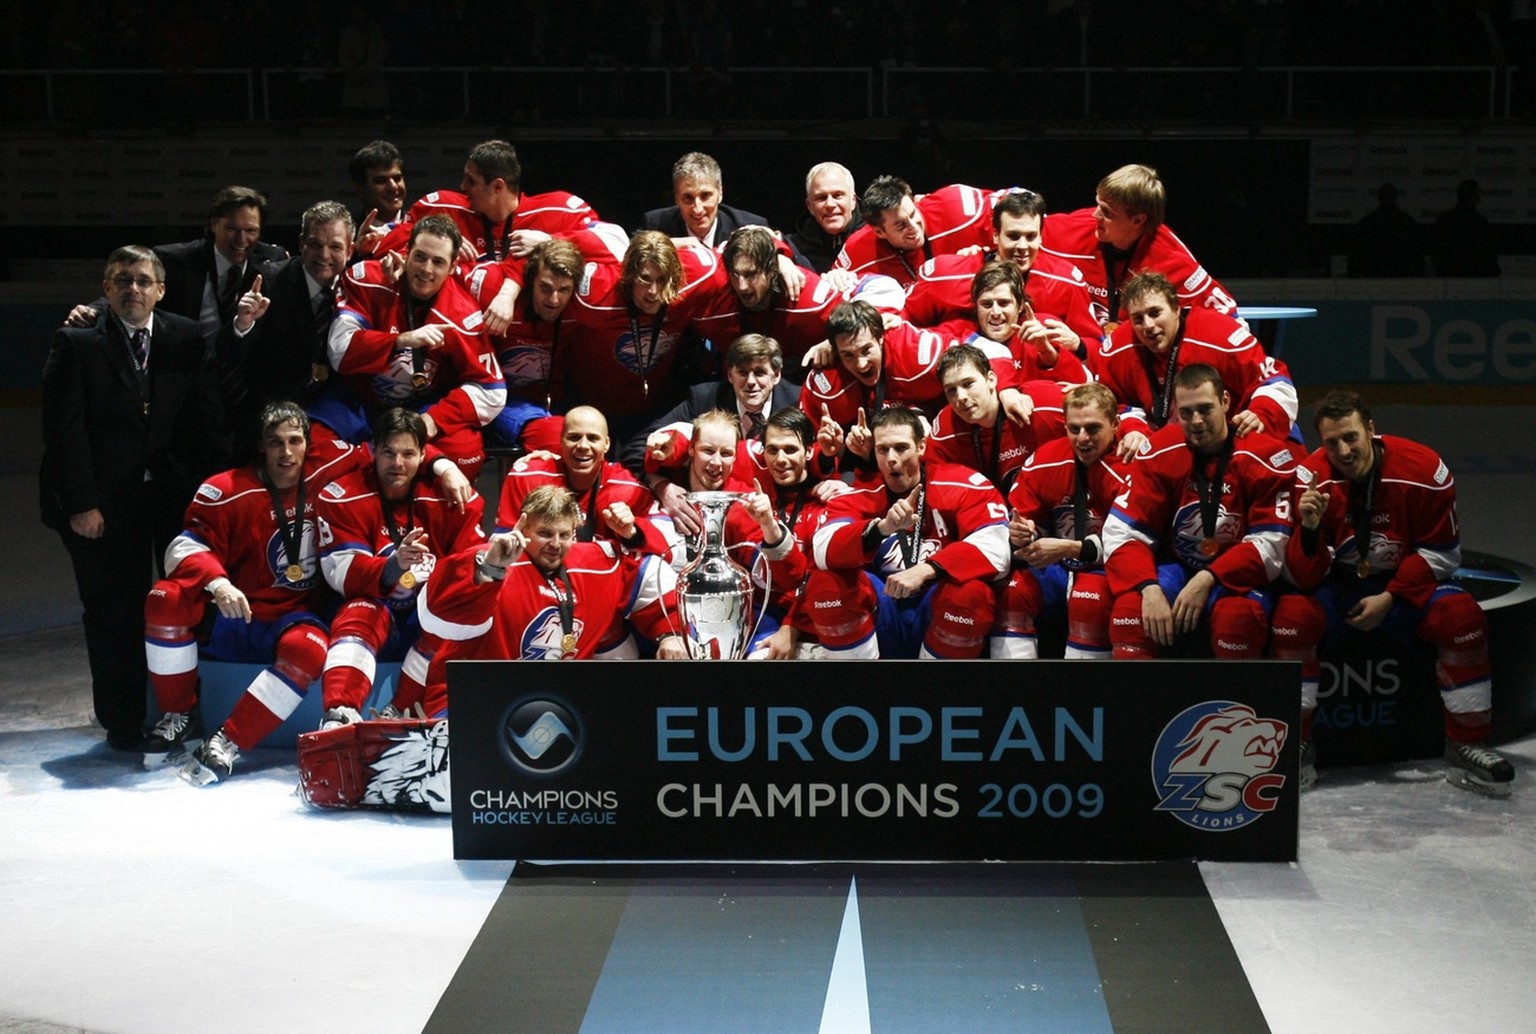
(875, 761)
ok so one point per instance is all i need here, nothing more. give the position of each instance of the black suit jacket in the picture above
(701, 399)
(728, 219)
(98, 440)
(187, 267)
(278, 354)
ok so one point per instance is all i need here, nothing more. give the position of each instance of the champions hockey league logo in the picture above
(541, 736)
(1214, 763)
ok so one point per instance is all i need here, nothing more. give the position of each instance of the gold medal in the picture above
(407, 580)
(1110, 326)
(568, 644)
(294, 573)
(419, 381)
(1208, 546)
(319, 372)
(1363, 569)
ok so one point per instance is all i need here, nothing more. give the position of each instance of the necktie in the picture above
(229, 293)
(140, 345)
(755, 424)
(325, 306)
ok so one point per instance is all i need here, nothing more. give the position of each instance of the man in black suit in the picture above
(205, 278)
(131, 424)
(753, 389)
(274, 348)
(832, 213)
(700, 212)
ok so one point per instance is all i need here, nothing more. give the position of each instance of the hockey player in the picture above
(495, 218)
(1124, 234)
(1056, 289)
(879, 366)
(417, 343)
(1057, 508)
(608, 496)
(1139, 360)
(249, 550)
(973, 431)
(1397, 499)
(748, 295)
(630, 318)
(905, 566)
(1201, 531)
(901, 231)
(381, 535)
(538, 594)
(531, 347)
(248, 559)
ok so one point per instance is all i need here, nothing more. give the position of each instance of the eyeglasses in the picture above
(122, 282)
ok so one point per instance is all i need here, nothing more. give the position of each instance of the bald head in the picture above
(583, 446)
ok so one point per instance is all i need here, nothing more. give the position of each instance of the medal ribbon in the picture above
(1080, 500)
(1210, 488)
(565, 601)
(397, 534)
(292, 532)
(1162, 391)
(584, 530)
(989, 467)
(490, 238)
(418, 355)
(647, 358)
(912, 542)
(1360, 504)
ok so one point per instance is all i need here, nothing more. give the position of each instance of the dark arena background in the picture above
(138, 904)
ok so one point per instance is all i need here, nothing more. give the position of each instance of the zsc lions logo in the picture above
(541, 736)
(1214, 763)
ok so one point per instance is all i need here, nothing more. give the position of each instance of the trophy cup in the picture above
(714, 593)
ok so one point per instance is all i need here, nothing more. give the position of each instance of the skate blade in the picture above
(179, 756)
(1464, 780)
(196, 773)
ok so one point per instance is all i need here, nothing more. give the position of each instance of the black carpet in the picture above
(851, 948)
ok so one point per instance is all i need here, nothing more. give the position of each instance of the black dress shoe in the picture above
(130, 740)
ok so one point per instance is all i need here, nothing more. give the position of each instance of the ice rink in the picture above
(134, 903)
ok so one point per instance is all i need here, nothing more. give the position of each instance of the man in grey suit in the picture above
(132, 422)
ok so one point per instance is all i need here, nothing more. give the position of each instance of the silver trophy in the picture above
(714, 593)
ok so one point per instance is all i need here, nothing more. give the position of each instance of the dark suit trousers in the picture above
(114, 574)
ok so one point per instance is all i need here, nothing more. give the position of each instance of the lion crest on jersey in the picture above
(1189, 530)
(541, 640)
(524, 365)
(889, 558)
(641, 356)
(397, 384)
(278, 560)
